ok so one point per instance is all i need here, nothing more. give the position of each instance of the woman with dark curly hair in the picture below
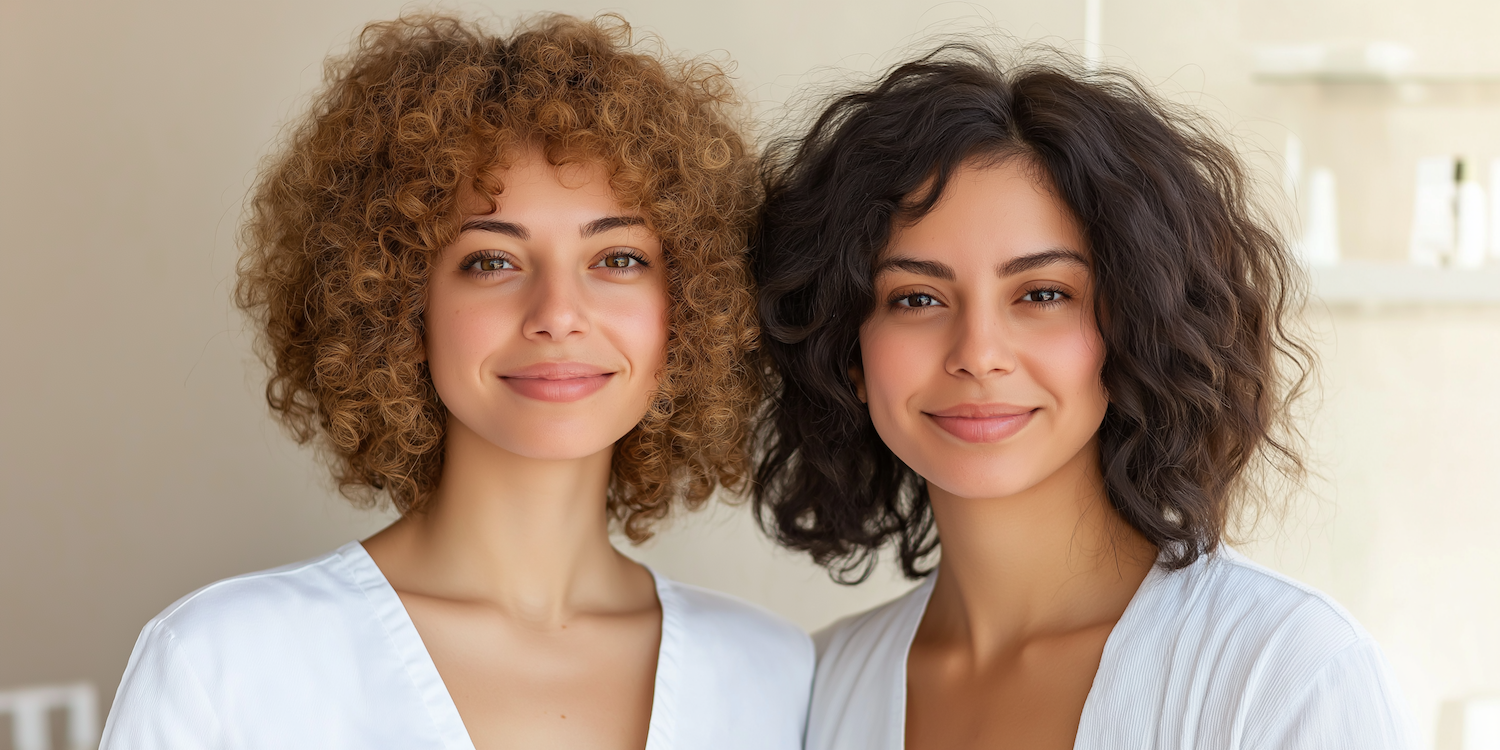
(501, 281)
(1032, 313)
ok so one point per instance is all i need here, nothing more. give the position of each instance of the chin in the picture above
(550, 439)
(981, 478)
(554, 442)
(982, 488)
(554, 452)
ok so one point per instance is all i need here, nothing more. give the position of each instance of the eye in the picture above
(1045, 296)
(621, 260)
(483, 263)
(915, 300)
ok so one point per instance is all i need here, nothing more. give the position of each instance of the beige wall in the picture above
(136, 460)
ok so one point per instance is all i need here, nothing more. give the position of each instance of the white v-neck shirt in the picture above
(322, 655)
(1222, 655)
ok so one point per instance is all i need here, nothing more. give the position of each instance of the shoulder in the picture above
(859, 688)
(1247, 621)
(732, 623)
(260, 605)
(1320, 679)
(314, 617)
(1253, 654)
(888, 625)
(220, 660)
(1291, 616)
(731, 675)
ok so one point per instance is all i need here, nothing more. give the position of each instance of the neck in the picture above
(528, 536)
(1052, 559)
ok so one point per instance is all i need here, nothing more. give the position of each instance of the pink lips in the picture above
(982, 423)
(558, 382)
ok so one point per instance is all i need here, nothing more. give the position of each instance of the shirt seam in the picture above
(172, 611)
(1312, 681)
(175, 648)
(395, 645)
(1327, 605)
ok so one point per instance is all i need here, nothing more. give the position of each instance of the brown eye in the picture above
(916, 300)
(482, 263)
(1044, 296)
(620, 262)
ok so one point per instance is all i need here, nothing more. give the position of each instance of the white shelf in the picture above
(1358, 78)
(1381, 284)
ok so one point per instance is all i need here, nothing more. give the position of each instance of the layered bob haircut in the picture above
(1193, 289)
(346, 220)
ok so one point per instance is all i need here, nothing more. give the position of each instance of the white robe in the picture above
(1222, 655)
(322, 655)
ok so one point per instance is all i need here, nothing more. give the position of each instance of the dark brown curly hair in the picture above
(347, 217)
(1195, 289)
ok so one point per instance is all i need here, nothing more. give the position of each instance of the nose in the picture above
(557, 309)
(981, 346)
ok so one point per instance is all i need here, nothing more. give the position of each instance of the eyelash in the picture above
(474, 259)
(469, 264)
(898, 297)
(1060, 297)
(626, 253)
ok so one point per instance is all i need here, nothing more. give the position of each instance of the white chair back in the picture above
(28, 708)
(1482, 724)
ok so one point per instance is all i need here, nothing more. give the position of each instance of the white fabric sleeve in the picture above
(161, 704)
(1352, 702)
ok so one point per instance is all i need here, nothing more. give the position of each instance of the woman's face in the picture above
(982, 359)
(547, 319)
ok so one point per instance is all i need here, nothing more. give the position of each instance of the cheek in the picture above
(893, 358)
(635, 318)
(1067, 362)
(461, 331)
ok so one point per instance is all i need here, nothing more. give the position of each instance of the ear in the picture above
(857, 376)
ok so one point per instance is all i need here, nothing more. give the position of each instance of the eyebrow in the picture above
(1017, 265)
(519, 232)
(920, 267)
(1033, 261)
(609, 223)
(498, 227)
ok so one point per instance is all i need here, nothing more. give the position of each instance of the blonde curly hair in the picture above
(346, 219)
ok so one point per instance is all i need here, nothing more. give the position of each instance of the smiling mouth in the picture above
(981, 425)
(557, 383)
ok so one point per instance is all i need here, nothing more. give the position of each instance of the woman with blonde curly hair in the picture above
(501, 282)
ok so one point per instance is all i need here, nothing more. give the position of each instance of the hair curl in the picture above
(1194, 293)
(347, 217)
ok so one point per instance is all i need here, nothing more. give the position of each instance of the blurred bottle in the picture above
(1471, 219)
(1291, 172)
(1432, 227)
(1495, 211)
(1320, 240)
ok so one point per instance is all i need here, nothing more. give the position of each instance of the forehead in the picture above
(528, 183)
(995, 211)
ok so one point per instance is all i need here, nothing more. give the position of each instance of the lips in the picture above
(982, 423)
(557, 382)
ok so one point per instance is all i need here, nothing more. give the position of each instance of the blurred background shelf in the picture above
(1372, 283)
(1370, 78)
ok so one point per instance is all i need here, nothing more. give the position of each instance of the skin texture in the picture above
(544, 634)
(983, 328)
